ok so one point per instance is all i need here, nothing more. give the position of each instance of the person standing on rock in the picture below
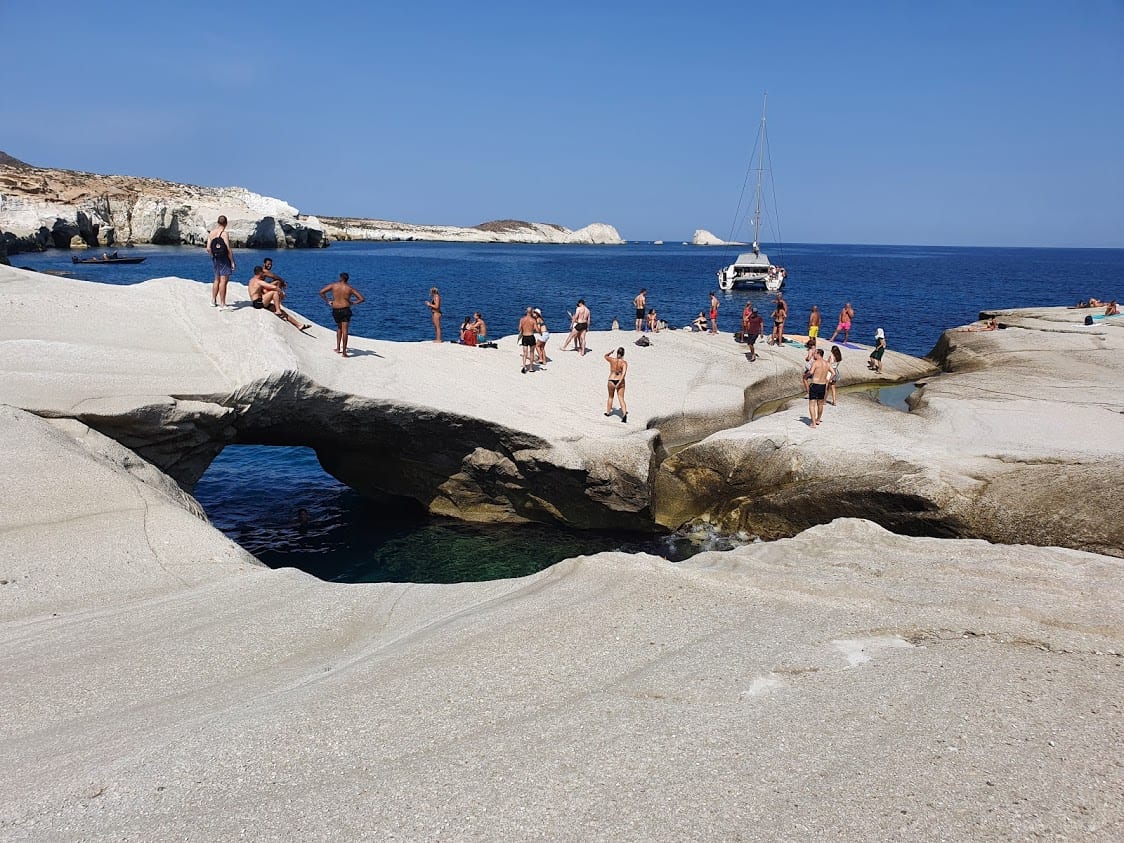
(581, 325)
(618, 368)
(713, 313)
(527, 340)
(845, 317)
(875, 360)
(222, 258)
(479, 326)
(639, 303)
(541, 336)
(820, 375)
(780, 312)
(434, 305)
(341, 296)
(834, 361)
(814, 322)
(755, 327)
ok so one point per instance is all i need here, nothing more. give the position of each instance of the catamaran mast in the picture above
(760, 170)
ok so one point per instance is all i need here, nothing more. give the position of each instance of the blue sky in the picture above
(958, 123)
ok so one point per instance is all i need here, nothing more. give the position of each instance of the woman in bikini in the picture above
(541, 336)
(434, 305)
(618, 368)
(834, 361)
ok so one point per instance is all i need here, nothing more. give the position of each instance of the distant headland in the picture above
(43, 208)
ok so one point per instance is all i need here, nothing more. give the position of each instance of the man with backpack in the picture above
(222, 256)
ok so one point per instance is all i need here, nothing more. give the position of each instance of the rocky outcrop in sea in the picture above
(705, 238)
(42, 208)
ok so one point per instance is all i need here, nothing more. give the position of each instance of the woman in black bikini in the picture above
(618, 368)
(434, 305)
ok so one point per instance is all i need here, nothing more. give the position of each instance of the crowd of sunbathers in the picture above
(1111, 308)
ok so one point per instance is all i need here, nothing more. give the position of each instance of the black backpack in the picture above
(218, 248)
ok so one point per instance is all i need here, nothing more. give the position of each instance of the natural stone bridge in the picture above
(461, 431)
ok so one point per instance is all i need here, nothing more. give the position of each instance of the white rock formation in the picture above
(41, 207)
(994, 448)
(503, 231)
(522, 449)
(47, 207)
(846, 683)
(705, 238)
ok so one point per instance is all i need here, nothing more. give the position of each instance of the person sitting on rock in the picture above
(479, 326)
(266, 296)
(1112, 309)
(468, 332)
(699, 322)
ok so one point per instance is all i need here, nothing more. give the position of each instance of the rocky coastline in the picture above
(844, 681)
(43, 208)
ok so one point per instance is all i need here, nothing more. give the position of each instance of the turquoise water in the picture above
(913, 293)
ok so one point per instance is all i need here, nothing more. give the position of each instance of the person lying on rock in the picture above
(266, 296)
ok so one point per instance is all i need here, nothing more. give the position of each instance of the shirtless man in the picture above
(222, 259)
(845, 317)
(267, 271)
(713, 313)
(820, 375)
(341, 295)
(478, 326)
(639, 303)
(527, 340)
(814, 322)
(618, 368)
(266, 296)
(581, 325)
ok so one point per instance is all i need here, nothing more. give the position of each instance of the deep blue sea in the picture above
(912, 292)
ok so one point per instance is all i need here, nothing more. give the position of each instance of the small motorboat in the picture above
(113, 258)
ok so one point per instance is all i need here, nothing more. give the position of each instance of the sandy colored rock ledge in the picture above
(1019, 442)
(844, 684)
(459, 429)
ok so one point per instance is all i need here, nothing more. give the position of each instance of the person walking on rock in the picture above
(434, 305)
(222, 259)
(341, 296)
(755, 327)
(581, 325)
(618, 369)
(817, 389)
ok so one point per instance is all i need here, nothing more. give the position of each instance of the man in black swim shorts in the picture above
(341, 295)
(527, 340)
(819, 375)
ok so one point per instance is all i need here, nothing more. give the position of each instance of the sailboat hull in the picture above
(751, 271)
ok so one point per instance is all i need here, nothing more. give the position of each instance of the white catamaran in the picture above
(754, 269)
